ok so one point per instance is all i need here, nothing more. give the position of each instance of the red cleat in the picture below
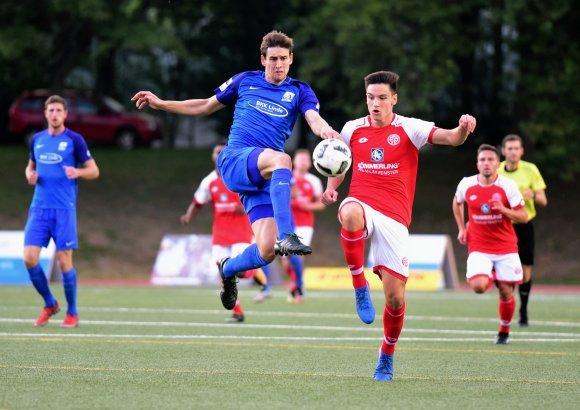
(70, 321)
(47, 312)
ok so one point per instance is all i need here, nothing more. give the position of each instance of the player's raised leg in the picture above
(353, 244)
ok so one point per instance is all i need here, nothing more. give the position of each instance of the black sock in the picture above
(524, 290)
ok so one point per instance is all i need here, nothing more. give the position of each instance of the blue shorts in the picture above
(58, 224)
(235, 166)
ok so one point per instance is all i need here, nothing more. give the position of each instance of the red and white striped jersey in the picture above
(229, 227)
(489, 230)
(305, 190)
(385, 163)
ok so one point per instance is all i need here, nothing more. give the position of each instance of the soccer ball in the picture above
(331, 157)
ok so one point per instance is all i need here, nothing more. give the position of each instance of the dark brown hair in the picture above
(383, 77)
(511, 137)
(276, 39)
(487, 147)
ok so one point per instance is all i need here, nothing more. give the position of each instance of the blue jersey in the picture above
(51, 153)
(264, 113)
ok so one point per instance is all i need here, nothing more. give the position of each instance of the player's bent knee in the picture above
(352, 215)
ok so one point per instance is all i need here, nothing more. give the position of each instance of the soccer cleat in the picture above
(262, 296)
(503, 338)
(291, 245)
(47, 312)
(235, 318)
(364, 304)
(229, 291)
(70, 321)
(295, 296)
(523, 322)
(384, 370)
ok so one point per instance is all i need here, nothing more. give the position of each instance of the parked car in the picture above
(99, 119)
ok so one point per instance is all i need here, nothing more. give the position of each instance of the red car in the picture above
(97, 119)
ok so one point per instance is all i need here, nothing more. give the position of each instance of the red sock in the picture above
(353, 245)
(506, 313)
(392, 326)
(238, 308)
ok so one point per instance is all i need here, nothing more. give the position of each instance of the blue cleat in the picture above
(364, 304)
(384, 370)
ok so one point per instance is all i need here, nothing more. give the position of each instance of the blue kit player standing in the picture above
(55, 154)
(254, 164)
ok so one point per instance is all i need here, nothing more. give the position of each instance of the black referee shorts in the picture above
(525, 234)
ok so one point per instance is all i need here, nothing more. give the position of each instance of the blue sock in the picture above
(280, 195)
(249, 259)
(296, 263)
(40, 283)
(69, 281)
(266, 270)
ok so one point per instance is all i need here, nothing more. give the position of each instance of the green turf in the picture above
(170, 348)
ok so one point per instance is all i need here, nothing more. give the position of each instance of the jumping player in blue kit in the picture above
(55, 154)
(254, 164)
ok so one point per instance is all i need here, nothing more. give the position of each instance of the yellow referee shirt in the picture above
(526, 176)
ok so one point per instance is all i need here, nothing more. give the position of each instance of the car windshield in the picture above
(113, 105)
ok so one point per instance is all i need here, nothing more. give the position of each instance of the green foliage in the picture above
(513, 64)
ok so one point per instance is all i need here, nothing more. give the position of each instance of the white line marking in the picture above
(297, 327)
(221, 312)
(278, 338)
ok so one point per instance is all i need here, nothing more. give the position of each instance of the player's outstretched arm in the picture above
(458, 135)
(194, 107)
(319, 126)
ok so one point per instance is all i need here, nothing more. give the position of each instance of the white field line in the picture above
(257, 313)
(272, 338)
(296, 327)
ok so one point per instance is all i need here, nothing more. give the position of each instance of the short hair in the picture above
(487, 147)
(276, 39)
(383, 77)
(511, 137)
(55, 99)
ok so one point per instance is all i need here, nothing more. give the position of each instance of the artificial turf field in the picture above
(160, 348)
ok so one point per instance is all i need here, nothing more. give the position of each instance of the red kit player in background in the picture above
(493, 201)
(231, 230)
(385, 149)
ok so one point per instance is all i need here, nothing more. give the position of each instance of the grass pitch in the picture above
(142, 347)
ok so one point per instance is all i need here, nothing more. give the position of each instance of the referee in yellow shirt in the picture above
(532, 186)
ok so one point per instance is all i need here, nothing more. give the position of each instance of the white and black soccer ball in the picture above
(332, 157)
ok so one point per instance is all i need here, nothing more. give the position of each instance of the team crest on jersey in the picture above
(288, 96)
(224, 197)
(485, 208)
(377, 154)
(62, 146)
(393, 139)
(363, 140)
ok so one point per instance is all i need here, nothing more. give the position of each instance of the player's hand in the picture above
(462, 236)
(71, 172)
(328, 132)
(329, 197)
(185, 219)
(32, 177)
(467, 123)
(146, 98)
(497, 205)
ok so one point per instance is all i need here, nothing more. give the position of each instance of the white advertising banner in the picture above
(12, 269)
